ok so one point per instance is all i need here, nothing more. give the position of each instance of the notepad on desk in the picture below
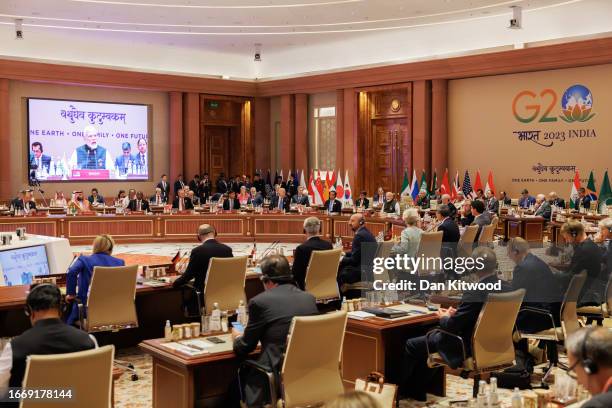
(360, 315)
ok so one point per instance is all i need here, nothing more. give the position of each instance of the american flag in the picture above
(467, 185)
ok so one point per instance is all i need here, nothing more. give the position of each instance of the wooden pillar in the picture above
(262, 134)
(353, 156)
(439, 126)
(301, 132)
(340, 129)
(5, 142)
(176, 138)
(191, 135)
(287, 142)
(421, 127)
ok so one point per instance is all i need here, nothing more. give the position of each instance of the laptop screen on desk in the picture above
(18, 266)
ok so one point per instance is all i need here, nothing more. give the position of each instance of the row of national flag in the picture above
(605, 192)
(413, 188)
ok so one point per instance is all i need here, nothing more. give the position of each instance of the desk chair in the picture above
(111, 304)
(492, 345)
(430, 246)
(466, 242)
(311, 372)
(486, 235)
(224, 283)
(598, 313)
(569, 322)
(321, 281)
(87, 373)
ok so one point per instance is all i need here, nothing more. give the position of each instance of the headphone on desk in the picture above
(589, 365)
(57, 293)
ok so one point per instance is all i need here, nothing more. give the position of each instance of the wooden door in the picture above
(217, 140)
(388, 145)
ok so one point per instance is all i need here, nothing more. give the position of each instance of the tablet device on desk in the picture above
(215, 340)
(386, 312)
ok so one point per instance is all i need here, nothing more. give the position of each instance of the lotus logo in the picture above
(576, 104)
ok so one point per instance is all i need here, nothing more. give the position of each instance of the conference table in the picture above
(373, 344)
(231, 226)
(530, 228)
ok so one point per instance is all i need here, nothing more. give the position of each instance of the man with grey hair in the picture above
(301, 256)
(460, 322)
(446, 200)
(589, 351)
(542, 207)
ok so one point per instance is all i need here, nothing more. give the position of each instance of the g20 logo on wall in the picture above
(576, 105)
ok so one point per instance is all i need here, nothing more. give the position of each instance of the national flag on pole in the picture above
(281, 175)
(605, 195)
(456, 186)
(311, 188)
(467, 185)
(434, 184)
(302, 180)
(414, 186)
(574, 192)
(348, 194)
(405, 185)
(269, 179)
(424, 182)
(477, 183)
(318, 192)
(296, 179)
(590, 189)
(339, 187)
(445, 185)
(326, 184)
(490, 187)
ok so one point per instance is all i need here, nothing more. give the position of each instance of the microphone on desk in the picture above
(269, 249)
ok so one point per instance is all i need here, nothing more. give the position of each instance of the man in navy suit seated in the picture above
(124, 162)
(301, 257)
(450, 230)
(460, 322)
(333, 205)
(38, 160)
(526, 200)
(352, 263)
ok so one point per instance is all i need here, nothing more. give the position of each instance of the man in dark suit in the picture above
(38, 160)
(164, 187)
(301, 257)
(332, 205)
(205, 187)
(542, 288)
(583, 200)
(194, 185)
(157, 198)
(590, 361)
(270, 316)
(526, 200)
(553, 199)
(491, 203)
(301, 198)
(197, 268)
(221, 184)
(280, 201)
(48, 335)
(450, 231)
(363, 248)
(95, 198)
(181, 202)
(362, 201)
(461, 322)
(139, 203)
(481, 218)
(543, 208)
(259, 183)
(178, 184)
(256, 199)
(231, 203)
(124, 162)
(446, 200)
(24, 202)
(504, 199)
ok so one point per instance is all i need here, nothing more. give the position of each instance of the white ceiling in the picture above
(218, 37)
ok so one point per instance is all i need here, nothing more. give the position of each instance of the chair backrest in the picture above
(111, 301)
(492, 344)
(225, 283)
(429, 247)
(311, 371)
(465, 245)
(384, 251)
(88, 374)
(569, 315)
(609, 294)
(495, 221)
(486, 234)
(321, 274)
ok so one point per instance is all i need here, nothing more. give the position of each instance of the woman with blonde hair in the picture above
(80, 272)
(353, 399)
(411, 235)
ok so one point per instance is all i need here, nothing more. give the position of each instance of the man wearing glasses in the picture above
(590, 358)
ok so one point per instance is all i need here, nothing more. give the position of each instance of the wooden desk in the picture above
(179, 381)
(529, 228)
(378, 344)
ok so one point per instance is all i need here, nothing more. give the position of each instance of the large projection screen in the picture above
(77, 141)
